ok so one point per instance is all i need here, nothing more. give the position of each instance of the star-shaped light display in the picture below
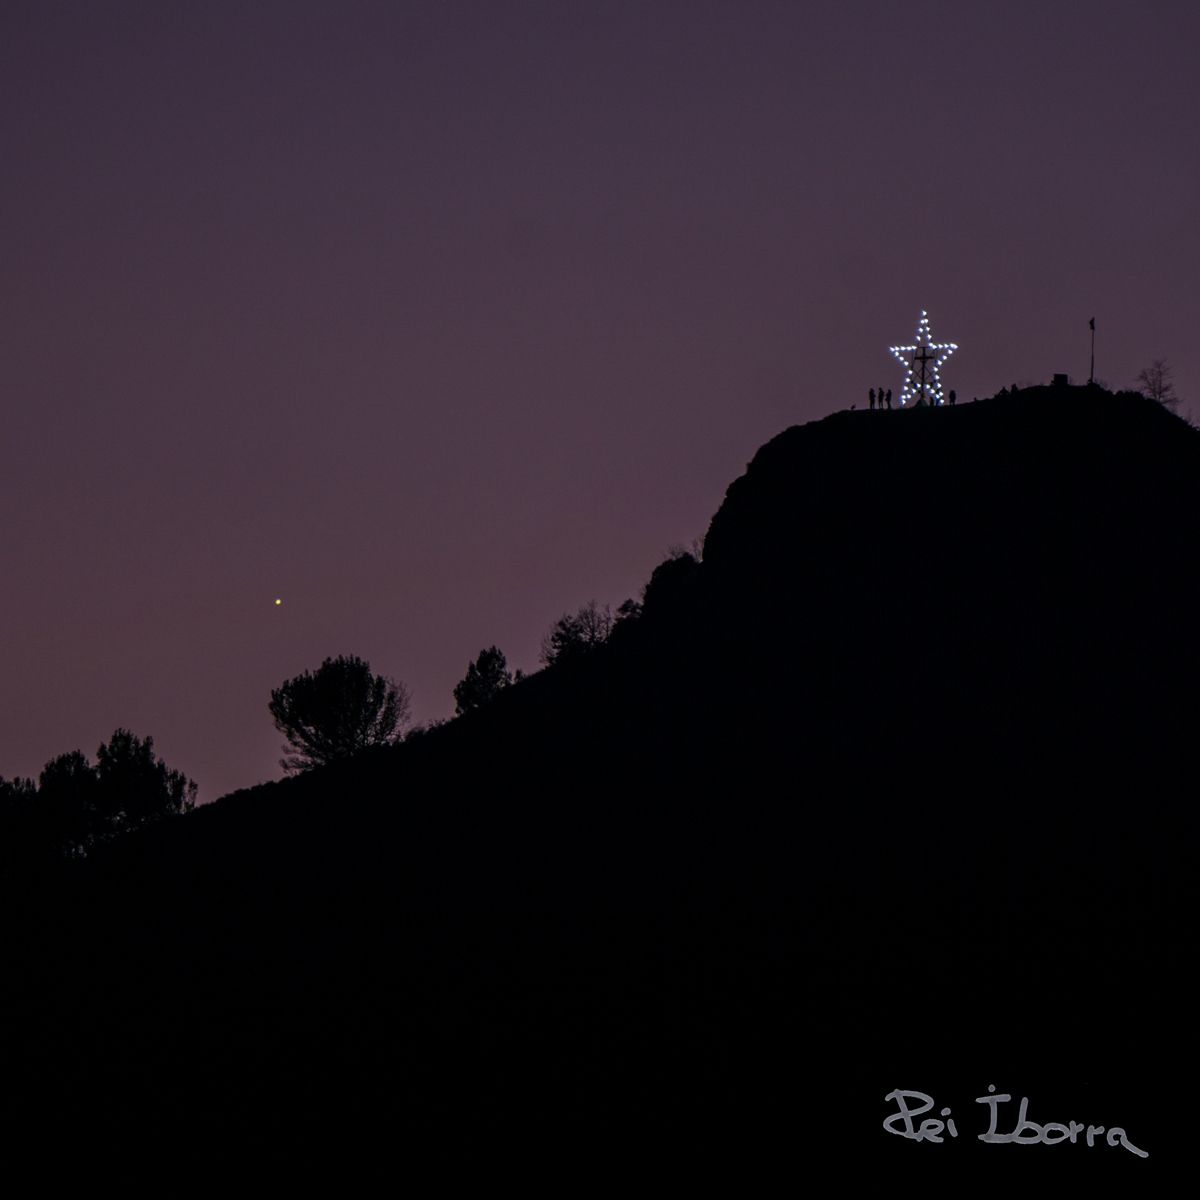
(922, 361)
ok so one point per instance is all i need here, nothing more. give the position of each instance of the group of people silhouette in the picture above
(885, 398)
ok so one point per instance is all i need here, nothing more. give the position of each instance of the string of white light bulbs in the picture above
(922, 362)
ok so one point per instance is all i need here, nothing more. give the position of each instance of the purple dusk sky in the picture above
(438, 319)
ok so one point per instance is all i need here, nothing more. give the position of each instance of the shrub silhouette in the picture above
(337, 711)
(575, 634)
(1156, 383)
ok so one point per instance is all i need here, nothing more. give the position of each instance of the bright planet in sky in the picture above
(278, 601)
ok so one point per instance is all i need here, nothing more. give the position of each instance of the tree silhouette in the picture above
(18, 808)
(486, 677)
(1155, 382)
(336, 711)
(68, 805)
(575, 634)
(134, 788)
(16, 793)
(77, 806)
(628, 610)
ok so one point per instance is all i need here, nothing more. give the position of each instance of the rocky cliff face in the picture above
(1023, 553)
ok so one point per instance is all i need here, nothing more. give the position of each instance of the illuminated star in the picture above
(278, 601)
(922, 361)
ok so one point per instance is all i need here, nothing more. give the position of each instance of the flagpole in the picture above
(1092, 370)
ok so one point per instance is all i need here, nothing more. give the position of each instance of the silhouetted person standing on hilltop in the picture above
(953, 397)
(889, 399)
(871, 393)
(1014, 389)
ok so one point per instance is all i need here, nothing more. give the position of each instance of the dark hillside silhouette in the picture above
(893, 789)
